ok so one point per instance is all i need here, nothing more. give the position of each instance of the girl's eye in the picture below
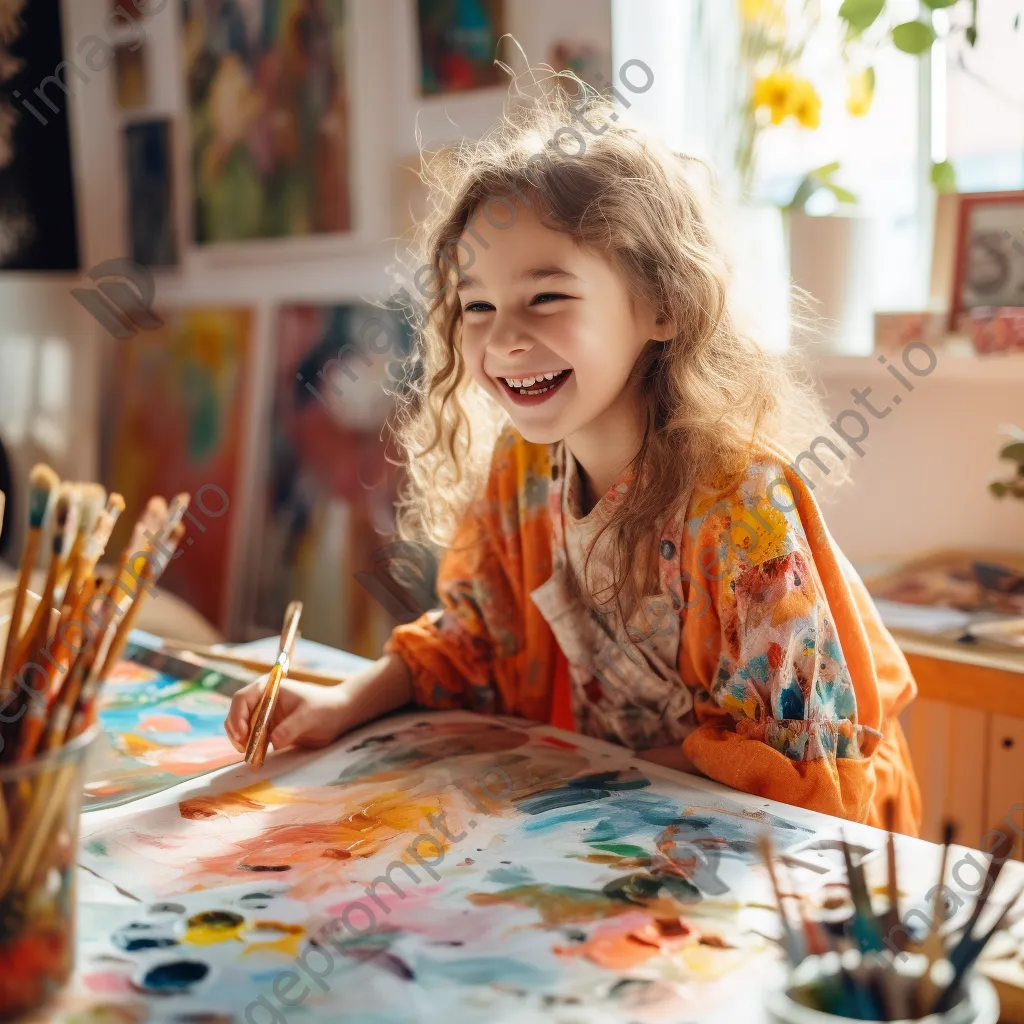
(545, 297)
(478, 307)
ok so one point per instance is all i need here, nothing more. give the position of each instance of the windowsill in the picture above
(954, 361)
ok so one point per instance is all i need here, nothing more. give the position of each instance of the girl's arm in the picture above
(453, 653)
(790, 694)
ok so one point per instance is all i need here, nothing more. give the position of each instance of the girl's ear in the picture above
(664, 329)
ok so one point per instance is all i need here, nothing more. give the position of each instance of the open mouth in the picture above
(535, 387)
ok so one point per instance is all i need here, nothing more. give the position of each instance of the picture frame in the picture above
(989, 254)
(457, 45)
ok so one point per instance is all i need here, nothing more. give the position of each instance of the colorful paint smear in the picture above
(479, 869)
(161, 729)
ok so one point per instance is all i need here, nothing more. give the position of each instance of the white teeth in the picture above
(529, 382)
(550, 376)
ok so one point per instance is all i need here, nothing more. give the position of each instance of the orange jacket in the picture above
(796, 683)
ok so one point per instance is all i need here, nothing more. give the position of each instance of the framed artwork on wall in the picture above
(130, 82)
(328, 490)
(268, 109)
(175, 422)
(37, 198)
(151, 220)
(458, 41)
(989, 259)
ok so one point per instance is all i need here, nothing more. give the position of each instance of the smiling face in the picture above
(550, 329)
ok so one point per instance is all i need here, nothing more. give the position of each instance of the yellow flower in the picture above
(862, 92)
(776, 92)
(806, 104)
(767, 12)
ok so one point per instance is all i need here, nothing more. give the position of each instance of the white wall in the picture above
(922, 481)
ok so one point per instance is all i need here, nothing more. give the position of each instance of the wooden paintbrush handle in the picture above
(259, 734)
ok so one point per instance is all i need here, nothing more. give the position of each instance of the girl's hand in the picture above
(306, 713)
(311, 715)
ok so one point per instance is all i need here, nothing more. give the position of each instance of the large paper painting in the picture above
(453, 866)
(268, 105)
(175, 422)
(329, 487)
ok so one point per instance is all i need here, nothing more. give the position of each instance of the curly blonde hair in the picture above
(712, 391)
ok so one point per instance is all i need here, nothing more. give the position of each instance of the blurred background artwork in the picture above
(329, 489)
(130, 77)
(150, 193)
(174, 422)
(37, 201)
(458, 39)
(268, 106)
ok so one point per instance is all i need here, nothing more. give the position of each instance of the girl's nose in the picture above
(509, 337)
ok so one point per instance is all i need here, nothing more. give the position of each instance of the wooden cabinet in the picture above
(966, 737)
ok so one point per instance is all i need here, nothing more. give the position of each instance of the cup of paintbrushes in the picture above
(38, 853)
(830, 989)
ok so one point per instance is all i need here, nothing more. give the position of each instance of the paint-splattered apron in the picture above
(621, 692)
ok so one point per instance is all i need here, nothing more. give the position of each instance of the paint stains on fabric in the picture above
(212, 927)
(174, 977)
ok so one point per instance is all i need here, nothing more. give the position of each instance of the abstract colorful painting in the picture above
(329, 487)
(268, 105)
(448, 866)
(458, 44)
(163, 722)
(174, 421)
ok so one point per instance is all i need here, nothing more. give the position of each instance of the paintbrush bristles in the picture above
(43, 483)
(43, 486)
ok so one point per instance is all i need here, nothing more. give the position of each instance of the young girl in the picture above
(602, 453)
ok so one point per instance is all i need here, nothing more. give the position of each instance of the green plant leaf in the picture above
(913, 37)
(937, 5)
(944, 177)
(861, 14)
(824, 172)
(841, 193)
(998, 488)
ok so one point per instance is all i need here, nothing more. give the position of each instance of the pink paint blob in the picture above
(164, 723)
(108, 983)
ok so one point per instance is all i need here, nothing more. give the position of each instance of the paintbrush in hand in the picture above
(259, 730)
